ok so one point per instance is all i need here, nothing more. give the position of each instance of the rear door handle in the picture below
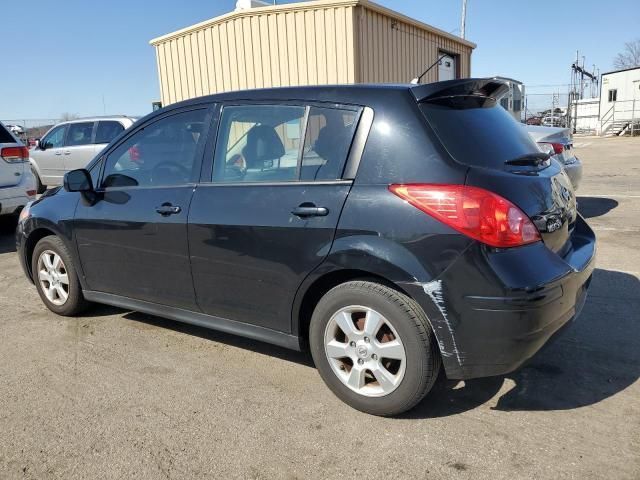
(67, 152)
(167, 209)
(310, 210)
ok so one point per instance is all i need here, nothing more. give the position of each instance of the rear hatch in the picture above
(11, 167)
(501, 156)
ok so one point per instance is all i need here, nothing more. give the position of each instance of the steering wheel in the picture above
(169, 169)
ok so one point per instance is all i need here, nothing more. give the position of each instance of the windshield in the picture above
(476, 131)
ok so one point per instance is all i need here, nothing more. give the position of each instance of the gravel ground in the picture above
(119, 394)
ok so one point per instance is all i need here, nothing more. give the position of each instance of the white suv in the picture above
(17, 183)
(71, 145)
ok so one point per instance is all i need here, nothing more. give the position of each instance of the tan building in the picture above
(309, 43)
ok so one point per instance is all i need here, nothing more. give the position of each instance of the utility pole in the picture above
(463, 20)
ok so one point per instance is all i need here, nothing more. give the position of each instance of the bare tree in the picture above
(66, 116)
(629, 57)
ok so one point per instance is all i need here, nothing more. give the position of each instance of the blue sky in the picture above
(69, 56)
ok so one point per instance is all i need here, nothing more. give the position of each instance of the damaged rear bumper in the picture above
(492, 310)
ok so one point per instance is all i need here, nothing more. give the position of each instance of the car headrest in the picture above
(263, 143)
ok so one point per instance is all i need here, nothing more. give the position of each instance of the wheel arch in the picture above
(320, 285)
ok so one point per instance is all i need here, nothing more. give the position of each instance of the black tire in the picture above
(410, 322)
(39, 187)
(75, 303)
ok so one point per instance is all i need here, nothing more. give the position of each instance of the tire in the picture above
(401, 387)
(39, 187)
(75, 302)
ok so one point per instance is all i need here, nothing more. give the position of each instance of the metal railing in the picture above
(622, 117)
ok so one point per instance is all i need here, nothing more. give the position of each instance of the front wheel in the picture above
(373, 347)
(56, 279)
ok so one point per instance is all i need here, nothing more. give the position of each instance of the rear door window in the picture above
(108, 130)
(477, 132)
(79, 134)
(259, 143)
(269, 143)
(327, 142)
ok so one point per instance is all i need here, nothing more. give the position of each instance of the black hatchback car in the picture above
(392, 230)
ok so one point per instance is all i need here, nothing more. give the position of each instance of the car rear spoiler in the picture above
(477, 87)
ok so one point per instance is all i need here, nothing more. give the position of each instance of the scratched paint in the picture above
(434, 290)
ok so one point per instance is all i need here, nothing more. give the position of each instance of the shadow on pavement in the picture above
(302, 358)
(592, 360)
(7, 233)
(590, 207)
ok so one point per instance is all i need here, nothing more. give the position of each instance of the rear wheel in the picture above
(373, 347)
(55, 277)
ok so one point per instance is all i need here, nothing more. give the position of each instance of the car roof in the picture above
(356, 93)
(96, 119)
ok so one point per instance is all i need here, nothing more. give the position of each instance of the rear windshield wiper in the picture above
(536, 159)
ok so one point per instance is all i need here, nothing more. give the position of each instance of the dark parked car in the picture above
(393, 230)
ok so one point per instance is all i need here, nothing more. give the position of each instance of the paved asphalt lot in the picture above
(119, 394)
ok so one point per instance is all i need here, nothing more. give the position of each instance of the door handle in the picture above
(167, 209)
(310, 210)
(58, 152)
(67, 152)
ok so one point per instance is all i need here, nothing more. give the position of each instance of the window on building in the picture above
(613, 95)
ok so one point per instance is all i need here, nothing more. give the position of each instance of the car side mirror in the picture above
(78, 181)
(42, 145)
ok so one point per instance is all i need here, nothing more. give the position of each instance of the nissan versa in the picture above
(392, 230)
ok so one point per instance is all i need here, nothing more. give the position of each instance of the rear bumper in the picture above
(493, 310)
(15, 197)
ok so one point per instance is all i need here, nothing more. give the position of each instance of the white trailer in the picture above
(620, 102)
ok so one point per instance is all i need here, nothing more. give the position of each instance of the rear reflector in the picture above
(14, 154)
(473, 211)
(31, 193)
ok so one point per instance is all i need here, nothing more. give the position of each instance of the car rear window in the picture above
(477, 132)
(5, 136)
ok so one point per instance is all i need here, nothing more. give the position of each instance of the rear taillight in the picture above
(14, 154)
(473, 211)
(552, 148)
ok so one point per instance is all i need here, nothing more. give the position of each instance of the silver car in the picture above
(557, 141)
(71, 145)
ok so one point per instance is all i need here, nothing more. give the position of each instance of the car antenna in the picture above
(416, 80)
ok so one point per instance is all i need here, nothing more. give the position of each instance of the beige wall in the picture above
(311, 43)
(303, 46)
(392, 50)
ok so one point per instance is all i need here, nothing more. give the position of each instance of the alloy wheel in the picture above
(365, 351)
(53, 277)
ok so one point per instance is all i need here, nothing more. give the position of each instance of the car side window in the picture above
(79, 134)
(327, 142)
(108, 130)
(259, 143)
(162, 153)
(55, 138)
